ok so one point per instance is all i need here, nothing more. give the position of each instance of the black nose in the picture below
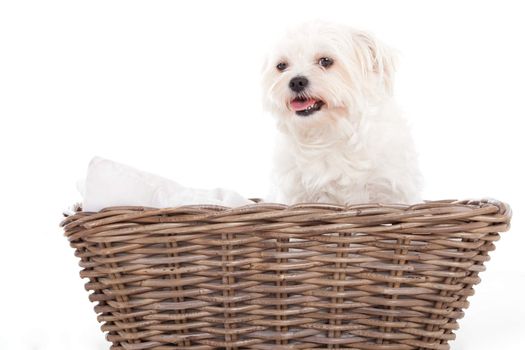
(298, 84)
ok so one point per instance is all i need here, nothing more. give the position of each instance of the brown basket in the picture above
(268, 276)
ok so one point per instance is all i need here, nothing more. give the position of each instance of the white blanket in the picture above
(109, 184)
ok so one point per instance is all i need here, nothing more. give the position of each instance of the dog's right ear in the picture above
(375, 58)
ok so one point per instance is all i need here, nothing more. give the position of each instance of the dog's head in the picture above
(321, 70)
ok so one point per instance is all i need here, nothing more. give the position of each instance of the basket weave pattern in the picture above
(268, 276)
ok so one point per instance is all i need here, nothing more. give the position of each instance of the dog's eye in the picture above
(281, 66)
(326, 62)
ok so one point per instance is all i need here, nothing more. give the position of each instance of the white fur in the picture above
(357, 148)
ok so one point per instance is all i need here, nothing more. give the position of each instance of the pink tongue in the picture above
(301, 105)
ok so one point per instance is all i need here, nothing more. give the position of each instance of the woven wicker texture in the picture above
(268, 276)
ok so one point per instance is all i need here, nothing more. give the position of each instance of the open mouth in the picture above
(305, 106)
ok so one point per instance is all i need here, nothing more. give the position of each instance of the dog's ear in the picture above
(375, 57)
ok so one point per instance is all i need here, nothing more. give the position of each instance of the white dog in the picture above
(342, 137)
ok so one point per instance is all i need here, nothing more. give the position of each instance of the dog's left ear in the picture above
(375, 58)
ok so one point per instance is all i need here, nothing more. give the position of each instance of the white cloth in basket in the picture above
(109, 183)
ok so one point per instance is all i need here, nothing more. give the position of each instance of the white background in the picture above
(173, 88)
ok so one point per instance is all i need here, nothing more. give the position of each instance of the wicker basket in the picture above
(268, 276)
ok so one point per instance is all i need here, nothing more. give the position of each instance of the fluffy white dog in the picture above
(342, 138)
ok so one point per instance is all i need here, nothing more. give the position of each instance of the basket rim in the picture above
(500, 211)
